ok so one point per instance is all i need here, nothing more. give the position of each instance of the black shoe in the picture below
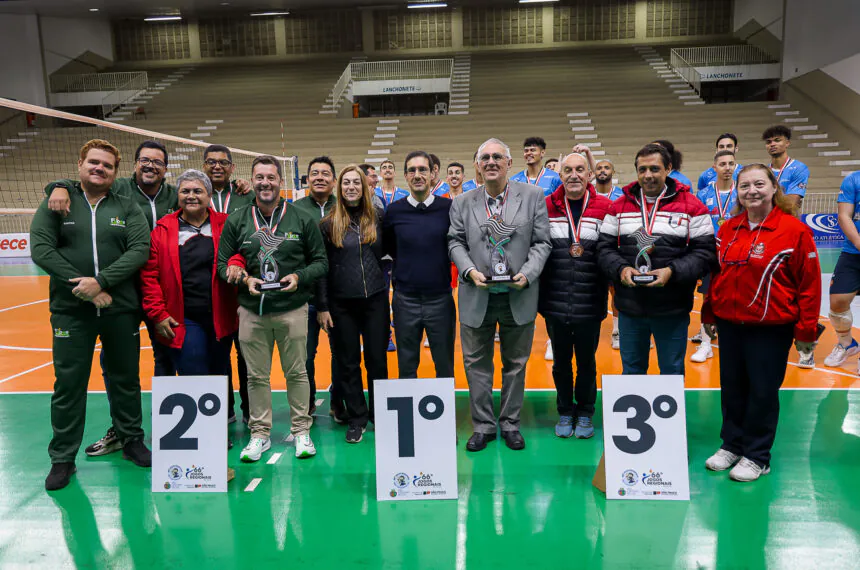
(60, 475)
(354, 433)
(108, 444)
(479, 441)
(137, 452)
(337, 413)
(514, 440)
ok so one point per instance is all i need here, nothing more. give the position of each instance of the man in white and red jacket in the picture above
(660, 212)
(573, 293)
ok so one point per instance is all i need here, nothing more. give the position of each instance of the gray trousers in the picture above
(413, 314)
(478, 348)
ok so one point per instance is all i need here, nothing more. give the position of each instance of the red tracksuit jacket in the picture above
(768, 276)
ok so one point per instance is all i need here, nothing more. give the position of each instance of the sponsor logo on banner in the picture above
(630, 478)
(14, 245)
(825, 227)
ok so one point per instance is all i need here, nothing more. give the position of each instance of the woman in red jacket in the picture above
(766, 293)
(193, 310)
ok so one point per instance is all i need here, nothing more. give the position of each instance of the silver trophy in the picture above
(498, 234)
(643, 260)
(269, 273)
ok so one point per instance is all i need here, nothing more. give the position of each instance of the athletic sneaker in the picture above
(696, 338)
(108, 444)
(721, 460)
(840, 353)
(747, 470)
(584, 427)
(616, 341)
(354, 433)
(304, 446)
(255, 448)
(564, 427)
(703, 353)
(497, 338)
(548, 354)
(807, 359)
(59, 476)
(137, 452)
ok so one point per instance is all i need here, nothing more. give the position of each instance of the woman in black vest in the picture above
(352, 299)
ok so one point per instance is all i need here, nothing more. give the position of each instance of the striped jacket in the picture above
(685, 243)
(572, 289)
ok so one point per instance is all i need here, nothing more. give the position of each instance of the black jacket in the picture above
(572, 289)
(354, 270)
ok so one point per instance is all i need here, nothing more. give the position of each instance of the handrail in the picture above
(340, 87)
(401, 69)
(79, 83)
(819, 203)
(686, 70)
(124, 93)
(724, 55)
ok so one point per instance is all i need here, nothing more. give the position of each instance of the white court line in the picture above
(252, 485)
(27, 372)
(25, 348)
(23, 305)
(273, 459)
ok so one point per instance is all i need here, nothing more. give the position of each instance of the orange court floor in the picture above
(26, 366)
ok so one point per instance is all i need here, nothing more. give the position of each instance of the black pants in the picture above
(580, 339)
(413, 314)
(243, 379)
(357, 321)
(313, 342)
(753, 360)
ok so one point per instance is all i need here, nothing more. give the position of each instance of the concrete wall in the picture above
(846, 72)
(766, 13)
(819, 34)
(21, 65)
(64, 39)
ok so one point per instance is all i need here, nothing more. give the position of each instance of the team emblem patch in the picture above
(758, 249)
(117, 222)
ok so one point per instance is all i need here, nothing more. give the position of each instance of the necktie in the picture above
(421, 206)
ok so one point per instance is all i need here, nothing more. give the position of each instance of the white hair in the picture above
(494, 141)
(192, 175)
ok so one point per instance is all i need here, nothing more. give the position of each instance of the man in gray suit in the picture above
(478, 220)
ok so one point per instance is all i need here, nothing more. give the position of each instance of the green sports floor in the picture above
(530, 509)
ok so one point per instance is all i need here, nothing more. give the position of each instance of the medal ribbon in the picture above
(783, 169)
(270, 225)
(575, 228)
(648, 219)
(503, 206)
(223, 205)
(723, 207)
(438, 185)
(537, 180)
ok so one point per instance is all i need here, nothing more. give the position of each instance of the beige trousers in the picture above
(258, 335)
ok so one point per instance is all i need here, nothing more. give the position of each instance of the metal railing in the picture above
(401, 69)
(724, 55)
(820, 203)
(340, 87)
(686, 70)
(124, 93)
(94, 81)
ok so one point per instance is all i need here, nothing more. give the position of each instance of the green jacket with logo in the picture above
(301, 252)
(109, 242)
(229, 200)
(311, 207)
(165, 202)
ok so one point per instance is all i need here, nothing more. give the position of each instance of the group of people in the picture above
(214, 263)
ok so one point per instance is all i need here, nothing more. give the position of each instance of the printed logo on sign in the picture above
(630, 478)
(393, 493)
(60, 333)
(825, 227)
(401, 480)
(655, 478)
(174, 472)
(197, 473)
(425, 480)
(117, 222)
(622, 491)
(166, 486)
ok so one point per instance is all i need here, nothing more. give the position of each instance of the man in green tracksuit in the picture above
(92, 256)
(277, 244)
(317, 204)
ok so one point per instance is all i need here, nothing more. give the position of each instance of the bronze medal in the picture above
(576, 250)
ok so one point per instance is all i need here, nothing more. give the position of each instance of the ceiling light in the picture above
(428, 5)
(162, 19)
(269, 13)
(536, 1)
(94, 9)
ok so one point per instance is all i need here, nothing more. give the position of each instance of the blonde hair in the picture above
(779, 199)
(100, 145)
(339, 220)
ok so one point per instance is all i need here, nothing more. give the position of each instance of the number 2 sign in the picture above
(645, 436)
(189, 434)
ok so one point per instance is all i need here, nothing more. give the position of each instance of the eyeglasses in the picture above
(417, 170)
(143, 161)
(495, 157)
(224, 163)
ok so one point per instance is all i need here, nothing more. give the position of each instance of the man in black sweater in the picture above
(415, 235)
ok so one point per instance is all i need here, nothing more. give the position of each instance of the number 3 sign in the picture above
(189, 434)
(416, 440)
(645, 436)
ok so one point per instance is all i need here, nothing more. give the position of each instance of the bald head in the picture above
(575, 175)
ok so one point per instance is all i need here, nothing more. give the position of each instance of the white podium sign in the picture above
(645, 437)
(416, 439)
(189, 434)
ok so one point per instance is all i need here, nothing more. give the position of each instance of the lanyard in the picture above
(575, 228)
(537, 180)
(723, 207)
(782, 170)
(438, 185)
(267, 226)
(223, 204)
(386, 199)
(503, 206)
(648, 219)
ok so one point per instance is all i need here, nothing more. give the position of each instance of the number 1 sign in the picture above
(416, 449)
(645, 436)
(189, 434)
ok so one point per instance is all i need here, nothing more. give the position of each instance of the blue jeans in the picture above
(670, 337)
(202, 353)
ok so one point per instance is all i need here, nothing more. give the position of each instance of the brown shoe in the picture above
(231, 474)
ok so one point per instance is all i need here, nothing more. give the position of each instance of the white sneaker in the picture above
(721, 460)
(255, 448)
(840, 353)
(696, 338)
(304, 446)
(746, 471)
(807, 359)
(616, 341)
(703, 353)
(496, 338)
(548, 354)
(426, 343)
